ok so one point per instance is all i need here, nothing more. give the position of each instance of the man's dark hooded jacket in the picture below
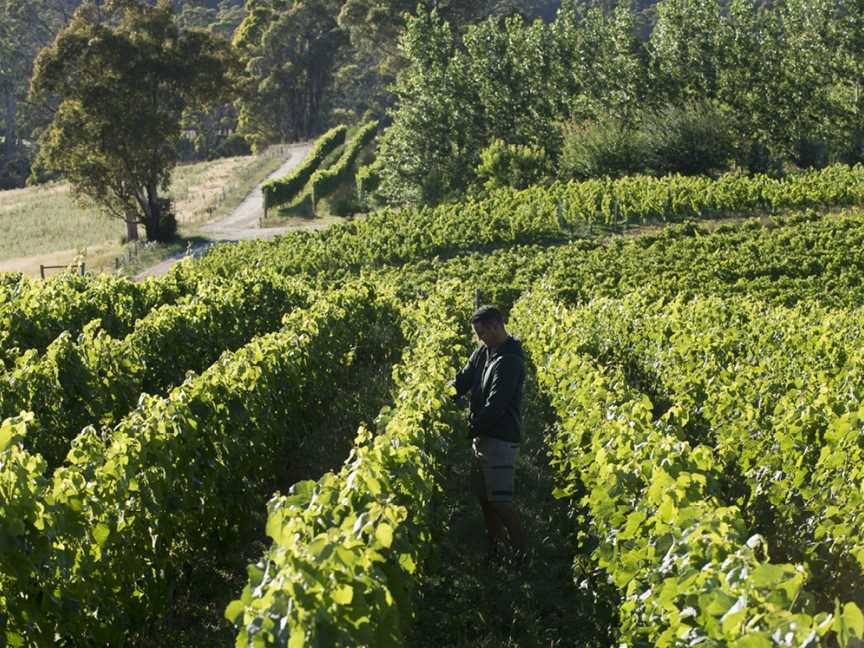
(496, 381)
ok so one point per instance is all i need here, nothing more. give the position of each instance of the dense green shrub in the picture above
(691, 140)
(601, 148)
(343, 202)
(232, 146)
(511, 165)
(284, 190)
(14, 173)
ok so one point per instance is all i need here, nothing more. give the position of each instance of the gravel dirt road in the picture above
(242, 223)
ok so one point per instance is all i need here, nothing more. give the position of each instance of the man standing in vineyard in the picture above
(495, 376)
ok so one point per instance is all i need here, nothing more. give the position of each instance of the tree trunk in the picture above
(131, 230)
(160, 222)
(152, 220)
(10, 132)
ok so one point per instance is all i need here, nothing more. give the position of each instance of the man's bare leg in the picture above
(495, 531)
(507, 517)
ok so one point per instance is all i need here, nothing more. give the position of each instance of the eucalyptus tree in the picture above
(290, 49)
(25, 27)
(122, 76)
(378, 24)
(223, 18)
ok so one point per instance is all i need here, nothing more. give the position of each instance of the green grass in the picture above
(46, 219)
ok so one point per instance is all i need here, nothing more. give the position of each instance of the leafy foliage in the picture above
(510, 165)
(688, 570)
(776, 390)
(349, 549)
(325, 181)
(173, 479)
(284, 190)
(116, 142)
(796, 261)
(34, 313)
(696, 140)
(535, 215)
(368, 179)
(606, 147)
(93, 378)
(426, 151)
(514, 80)
(290, 49)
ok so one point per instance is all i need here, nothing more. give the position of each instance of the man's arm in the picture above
(504, 383)
(465, 377)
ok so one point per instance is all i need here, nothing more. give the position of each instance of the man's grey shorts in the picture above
(492, 469)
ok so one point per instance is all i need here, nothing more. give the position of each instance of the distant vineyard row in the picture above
(804, 258)
(32, 314)
(536, 215)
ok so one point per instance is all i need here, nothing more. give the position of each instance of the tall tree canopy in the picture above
(784, 76)
(223, 17)
(290, 48)
(25, 27)
(601, 62)
(123, 75)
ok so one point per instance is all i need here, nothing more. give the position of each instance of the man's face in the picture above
(487, 332)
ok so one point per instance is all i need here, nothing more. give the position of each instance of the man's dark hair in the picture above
(488, 315)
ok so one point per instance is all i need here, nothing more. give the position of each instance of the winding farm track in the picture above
(242, 223)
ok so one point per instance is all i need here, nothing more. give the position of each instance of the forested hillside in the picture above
(546, 89)
(340, 49)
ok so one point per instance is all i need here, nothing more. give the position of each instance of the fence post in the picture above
(41, 270)
(478, 301)
(81, 267)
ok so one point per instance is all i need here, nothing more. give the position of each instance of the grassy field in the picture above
(44, 225)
